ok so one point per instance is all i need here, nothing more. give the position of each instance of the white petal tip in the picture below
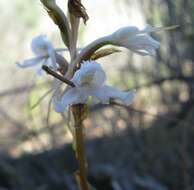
(58, 107)
(18, 64)
(129, 97)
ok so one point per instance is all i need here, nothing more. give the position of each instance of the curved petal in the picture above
(143, 44)
(70, 97)
(138, 41)
(125, 97)
(99, 78)
(39, 45)
(99, 93)
(90, 73)
(30, 62)
(122, 34)
(143, 41)
(105, 93)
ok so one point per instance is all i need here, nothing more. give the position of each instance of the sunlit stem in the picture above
(81, 175)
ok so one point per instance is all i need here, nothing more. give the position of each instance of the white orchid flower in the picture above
(89, 81)
(44, 52)
(138, 41)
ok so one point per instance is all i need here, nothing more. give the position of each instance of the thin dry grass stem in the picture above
(58, 76)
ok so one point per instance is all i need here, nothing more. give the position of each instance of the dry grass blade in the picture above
(41, 99)
(104, 52)
(78, 10)
(58, 18)
(57, 76)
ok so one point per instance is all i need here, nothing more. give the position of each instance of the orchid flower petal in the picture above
(143, 42)
(112, 93)
(30, 62)
(45, 53)
(70, 97)
(39, 45)
(99, 93)
(125, 33)
(138, 41)
(42, 46)
(105, 93)
(89, 73)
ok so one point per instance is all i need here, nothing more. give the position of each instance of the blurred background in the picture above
(147, 146)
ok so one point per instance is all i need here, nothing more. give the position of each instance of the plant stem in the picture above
(78, 113)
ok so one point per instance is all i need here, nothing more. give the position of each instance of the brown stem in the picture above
(78, 113)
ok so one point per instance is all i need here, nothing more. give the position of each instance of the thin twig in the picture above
(58, 76)
(41, 99)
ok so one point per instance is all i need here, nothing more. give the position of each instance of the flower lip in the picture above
(90, 73)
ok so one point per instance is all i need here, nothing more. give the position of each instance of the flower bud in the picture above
(138, 41)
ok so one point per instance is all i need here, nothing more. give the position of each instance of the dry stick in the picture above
(58, 76)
